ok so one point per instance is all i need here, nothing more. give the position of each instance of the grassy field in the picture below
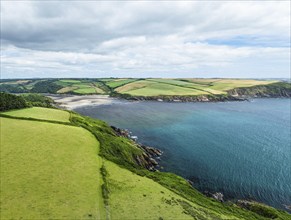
(135, 197)
(119, 82)
(159, 87)
(41, 113)
(49, 171)
(227, 84)
(81, 87)
(85, 90)
(151, 88)
(139, 87)
(67, 89)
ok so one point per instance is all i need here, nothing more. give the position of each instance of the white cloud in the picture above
(145, 38)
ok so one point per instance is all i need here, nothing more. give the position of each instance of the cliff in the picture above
(274, 90)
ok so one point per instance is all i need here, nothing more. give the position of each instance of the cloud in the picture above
(96, 39)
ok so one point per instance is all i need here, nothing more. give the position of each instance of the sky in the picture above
(232, 39)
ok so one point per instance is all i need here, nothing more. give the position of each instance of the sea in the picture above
(241, 149)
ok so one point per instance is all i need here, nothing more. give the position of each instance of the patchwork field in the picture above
(49, 171)
(119, 82)
(81, 87)
(131, 86)
(41, 113)
(156, 87)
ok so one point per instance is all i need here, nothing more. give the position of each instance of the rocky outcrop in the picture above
(200, 98)
(146, 161)
(274, 90)
(154, 152)
(148, 158)
(218, 196)
(121, 132)
(287, 207)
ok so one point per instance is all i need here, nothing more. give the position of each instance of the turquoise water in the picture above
(239, 148)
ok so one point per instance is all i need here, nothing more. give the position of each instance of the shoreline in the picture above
(201, 98)
(151, 161)
(71, 102)
(218, 195)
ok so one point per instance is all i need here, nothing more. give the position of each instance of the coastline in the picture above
(213, 194)
(150, 154)
(71, 102)
(275, 90)
(204, 98)
(150, 160)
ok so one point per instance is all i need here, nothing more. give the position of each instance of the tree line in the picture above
(10, 101)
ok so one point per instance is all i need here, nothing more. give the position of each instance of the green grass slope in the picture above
(136, 197)
(49, 171)
(81, 86)
(41, 113)
(119, 82)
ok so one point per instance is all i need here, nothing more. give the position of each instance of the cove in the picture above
(242, 149)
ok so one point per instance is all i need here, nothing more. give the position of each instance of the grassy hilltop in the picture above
(60, 165)
(44, 174)
(149, 87)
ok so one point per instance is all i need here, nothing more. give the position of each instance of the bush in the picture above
(38, 100)
(47, 86)
(260, 209)
(12, 88)
(9, 101)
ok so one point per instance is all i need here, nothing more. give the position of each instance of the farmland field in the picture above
(156, 87)
(146, 199)
(81, 87)
(46, 175)
(119, 82)
(148, 88)
(41, 113)
(85, 90)
(135, 86)
(67, 89)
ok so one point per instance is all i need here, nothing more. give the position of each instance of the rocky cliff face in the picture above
(199, 98)
(271, 90)
(148, 158)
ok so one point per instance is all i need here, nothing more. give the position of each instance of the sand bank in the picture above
(75, 101)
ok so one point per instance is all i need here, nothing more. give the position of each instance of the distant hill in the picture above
(161, 89)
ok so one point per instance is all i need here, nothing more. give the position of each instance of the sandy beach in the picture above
(75, 101)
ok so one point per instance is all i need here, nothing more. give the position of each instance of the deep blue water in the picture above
(242, 149)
